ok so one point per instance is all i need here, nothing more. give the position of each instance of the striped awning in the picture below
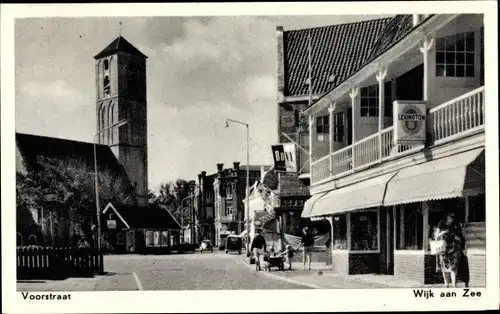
(443, 178)
(308, 205)
(365, 194)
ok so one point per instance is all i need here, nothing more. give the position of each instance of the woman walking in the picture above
(308, 244)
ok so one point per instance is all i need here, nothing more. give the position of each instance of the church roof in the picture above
(32, 146)
(120, 44)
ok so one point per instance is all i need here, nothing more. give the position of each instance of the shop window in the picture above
(364, 231)
(149, 238)
(340, 232)
(369, 100)
(411, 227)
(455, 55)
(477, 208)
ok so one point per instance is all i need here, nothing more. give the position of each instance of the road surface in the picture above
(198, 271)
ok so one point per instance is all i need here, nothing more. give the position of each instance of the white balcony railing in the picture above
(456, 118)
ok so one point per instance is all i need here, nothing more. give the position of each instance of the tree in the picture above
(70, 184)
(173, 196)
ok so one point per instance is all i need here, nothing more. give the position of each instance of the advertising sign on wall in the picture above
(285, 158)
(410, 122)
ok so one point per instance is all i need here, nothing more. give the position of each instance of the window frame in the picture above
(350, 239)
(370, 94)
(323, 124)
(444, 51)
(338, 127)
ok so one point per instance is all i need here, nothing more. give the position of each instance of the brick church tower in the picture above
(121, 95)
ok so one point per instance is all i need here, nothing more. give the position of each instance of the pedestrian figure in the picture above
(288, 255)
(258, 247)
(307, 243)
(450, 258)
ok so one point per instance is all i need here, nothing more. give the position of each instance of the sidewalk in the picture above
(321, 276)
(106, 282)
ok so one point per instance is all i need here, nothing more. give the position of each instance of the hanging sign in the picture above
(111, 224)
(284, 156)
(410, 122)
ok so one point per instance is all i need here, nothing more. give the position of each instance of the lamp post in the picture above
(247, 212)
(97, 205)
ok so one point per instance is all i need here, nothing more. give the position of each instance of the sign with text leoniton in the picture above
(409, 122)
(285, 159)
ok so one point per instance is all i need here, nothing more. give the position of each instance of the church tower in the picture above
(121, 95)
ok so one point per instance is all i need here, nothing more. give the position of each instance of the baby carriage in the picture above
(273, 260)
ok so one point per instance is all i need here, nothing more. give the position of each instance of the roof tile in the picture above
(338, 51)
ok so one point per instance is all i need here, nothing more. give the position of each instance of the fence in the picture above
(57, 263)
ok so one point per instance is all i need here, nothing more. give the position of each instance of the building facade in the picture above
(229, 190)
(382, 198)
(121, 95)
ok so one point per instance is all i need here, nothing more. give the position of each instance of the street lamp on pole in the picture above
(96, 179)
(247, 212)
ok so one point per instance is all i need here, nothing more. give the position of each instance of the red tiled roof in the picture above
(338, 51)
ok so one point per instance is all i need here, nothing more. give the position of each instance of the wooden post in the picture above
(381, 74)
(348, 229)
(330, 220)
(425, 212)
(425, 46)
(311, 128)
(402, 227)
(394, 219)
(331, 111)
(354, 107)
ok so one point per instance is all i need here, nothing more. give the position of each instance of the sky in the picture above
(200, 71)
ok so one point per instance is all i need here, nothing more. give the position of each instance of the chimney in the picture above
(416, 19)
(236, 165)
(219, 167)
(203, 174)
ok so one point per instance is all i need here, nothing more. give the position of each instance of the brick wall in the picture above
(409, 266)
(422, 268)
(364, 263)
(477, 270)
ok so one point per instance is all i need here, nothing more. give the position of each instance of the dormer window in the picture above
(106, 65)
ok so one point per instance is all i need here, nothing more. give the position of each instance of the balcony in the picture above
(449, 121)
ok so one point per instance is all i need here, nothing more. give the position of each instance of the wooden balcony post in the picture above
(354, 107)
(311, 123)
(331, 110)
(381, 74)
(425, 46)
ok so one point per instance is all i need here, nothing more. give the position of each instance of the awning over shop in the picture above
(365, 194)
(308, 205)
(438, 179)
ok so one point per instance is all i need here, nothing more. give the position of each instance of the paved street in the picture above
(207, 271)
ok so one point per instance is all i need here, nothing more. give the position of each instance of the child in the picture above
(288, 254)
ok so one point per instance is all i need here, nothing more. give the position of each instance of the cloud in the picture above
(57, 91)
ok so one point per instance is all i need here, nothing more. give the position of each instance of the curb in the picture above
(297, 282)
